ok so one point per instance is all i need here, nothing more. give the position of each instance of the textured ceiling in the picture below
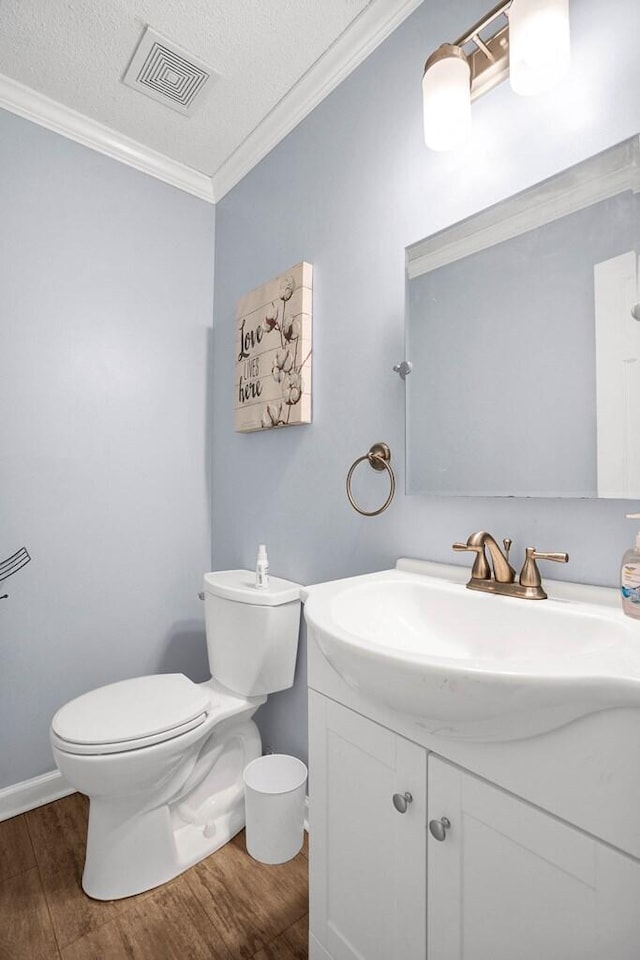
(76, 51)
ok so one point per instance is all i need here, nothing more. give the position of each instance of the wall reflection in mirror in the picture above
(522, 327)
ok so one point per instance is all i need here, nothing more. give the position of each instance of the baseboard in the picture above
(29, 794)
(33, 793)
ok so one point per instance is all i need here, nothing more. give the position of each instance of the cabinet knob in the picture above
(401, 801)
(438, 828)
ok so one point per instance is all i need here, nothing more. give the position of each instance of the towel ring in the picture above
(379, 456)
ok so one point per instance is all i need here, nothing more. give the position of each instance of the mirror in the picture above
(523, 329)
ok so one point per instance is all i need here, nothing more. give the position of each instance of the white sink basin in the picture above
(476, 666)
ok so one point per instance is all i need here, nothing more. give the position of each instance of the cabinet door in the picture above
(368, 861)
(510, 882)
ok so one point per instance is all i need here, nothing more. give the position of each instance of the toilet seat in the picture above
(130, 715)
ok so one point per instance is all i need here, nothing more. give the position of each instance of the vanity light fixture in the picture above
(527, 40)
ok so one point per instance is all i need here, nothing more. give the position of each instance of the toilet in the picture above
(161, 758)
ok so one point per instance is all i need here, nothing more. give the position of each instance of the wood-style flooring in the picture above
(228, 907)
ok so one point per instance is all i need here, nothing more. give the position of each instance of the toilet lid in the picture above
(157, 707)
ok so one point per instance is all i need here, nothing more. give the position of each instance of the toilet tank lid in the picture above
(240, 585)
(131, 709)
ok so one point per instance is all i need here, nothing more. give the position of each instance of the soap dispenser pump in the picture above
(630, 576)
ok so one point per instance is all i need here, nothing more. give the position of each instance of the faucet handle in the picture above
(530, 575)
(558, 557)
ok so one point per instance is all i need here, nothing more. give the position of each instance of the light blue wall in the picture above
(106, 298)
(347, 190)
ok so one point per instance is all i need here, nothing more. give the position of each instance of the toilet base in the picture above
(132, 848)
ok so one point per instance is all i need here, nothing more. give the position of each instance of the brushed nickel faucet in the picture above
(502, 579)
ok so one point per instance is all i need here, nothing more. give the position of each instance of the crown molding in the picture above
(25, 102)
(376, 22)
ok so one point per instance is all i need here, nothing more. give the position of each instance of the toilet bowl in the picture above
(161, 758)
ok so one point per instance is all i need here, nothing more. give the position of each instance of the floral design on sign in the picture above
(273, 359)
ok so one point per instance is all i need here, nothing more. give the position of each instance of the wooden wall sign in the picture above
(273, 353)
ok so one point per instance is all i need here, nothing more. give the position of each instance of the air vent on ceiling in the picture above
(167, 73)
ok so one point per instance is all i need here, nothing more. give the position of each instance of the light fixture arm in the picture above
(488, 59)
(488, 18)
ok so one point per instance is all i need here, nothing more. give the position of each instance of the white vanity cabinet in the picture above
(508, 881)
(368, 877)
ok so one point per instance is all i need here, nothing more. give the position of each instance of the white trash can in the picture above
(274, 794)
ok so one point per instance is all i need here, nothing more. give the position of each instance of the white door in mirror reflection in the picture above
(618, 376)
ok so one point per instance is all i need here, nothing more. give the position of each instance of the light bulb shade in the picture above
(446, 93)
(539, 48)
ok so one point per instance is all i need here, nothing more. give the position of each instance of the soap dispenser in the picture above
(630, 577)
(262, 569)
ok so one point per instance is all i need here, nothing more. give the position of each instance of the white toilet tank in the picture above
(252, 633)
